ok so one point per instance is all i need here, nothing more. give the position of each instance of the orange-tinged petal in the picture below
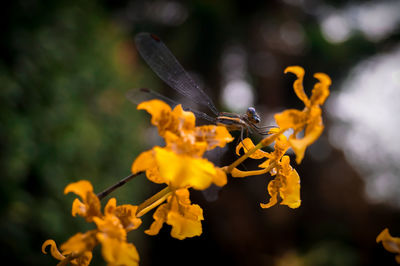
(290, 191)
(273, 190)
(83, 260)
(111, 226)
(313, 132)
(90, 207)
(291, 118)
(160, 112)
(160, 216)
(391, 244)
(80, 188)
(298, 84)
(186, 121)
(183, 170)
(53, 249)
(117, 252)
(127, 215)
(184, 217)
(321, 89)
(146, 162)
(247, 144)
(80, 243)
(214, 136)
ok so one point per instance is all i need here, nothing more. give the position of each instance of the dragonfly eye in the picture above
(252, 115)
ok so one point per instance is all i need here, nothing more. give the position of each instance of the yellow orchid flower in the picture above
(111, 232)
(309, 119)
(286, 182)
(184, 217)
(180, 163)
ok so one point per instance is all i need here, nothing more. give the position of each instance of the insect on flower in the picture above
(166, 66)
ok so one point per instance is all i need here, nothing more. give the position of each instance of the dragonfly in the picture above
(161, 60)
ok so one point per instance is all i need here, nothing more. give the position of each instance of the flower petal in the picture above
(80, 188)
(391, 244)
(273, 190)
(299, 146)
(161, 113)
(160, 216)
(247, 144)
(80, 243)
(290, 191)
(291, 118)
(90, 207)
(298, 84)
(183, 170)
(53, 249)
(146, 162)
(321, 89)
(214, 136)
(117, 252)
(127, 215)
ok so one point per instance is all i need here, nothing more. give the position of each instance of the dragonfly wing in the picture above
(137, 96)
(167, 67)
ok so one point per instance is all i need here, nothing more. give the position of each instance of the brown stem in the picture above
(120, 183)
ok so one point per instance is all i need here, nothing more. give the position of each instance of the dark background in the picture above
(65, 69)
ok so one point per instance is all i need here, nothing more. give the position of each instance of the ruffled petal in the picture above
(183, 170)
(117, 252)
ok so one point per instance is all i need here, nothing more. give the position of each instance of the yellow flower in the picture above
(184, 217)
(309, 119)
(111, 232)
(180, 163)
(391, 244)
(286, 182)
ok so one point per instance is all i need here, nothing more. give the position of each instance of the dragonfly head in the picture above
(252, 115)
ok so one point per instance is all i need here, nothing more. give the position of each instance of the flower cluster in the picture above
(111, 232)
(180, 166)
(286, 182)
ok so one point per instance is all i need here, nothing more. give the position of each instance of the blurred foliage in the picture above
(64, 117)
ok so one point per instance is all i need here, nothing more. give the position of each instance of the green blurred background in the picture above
(65, 69)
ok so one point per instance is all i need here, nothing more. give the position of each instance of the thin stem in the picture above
(153, 201)
(120, 183)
